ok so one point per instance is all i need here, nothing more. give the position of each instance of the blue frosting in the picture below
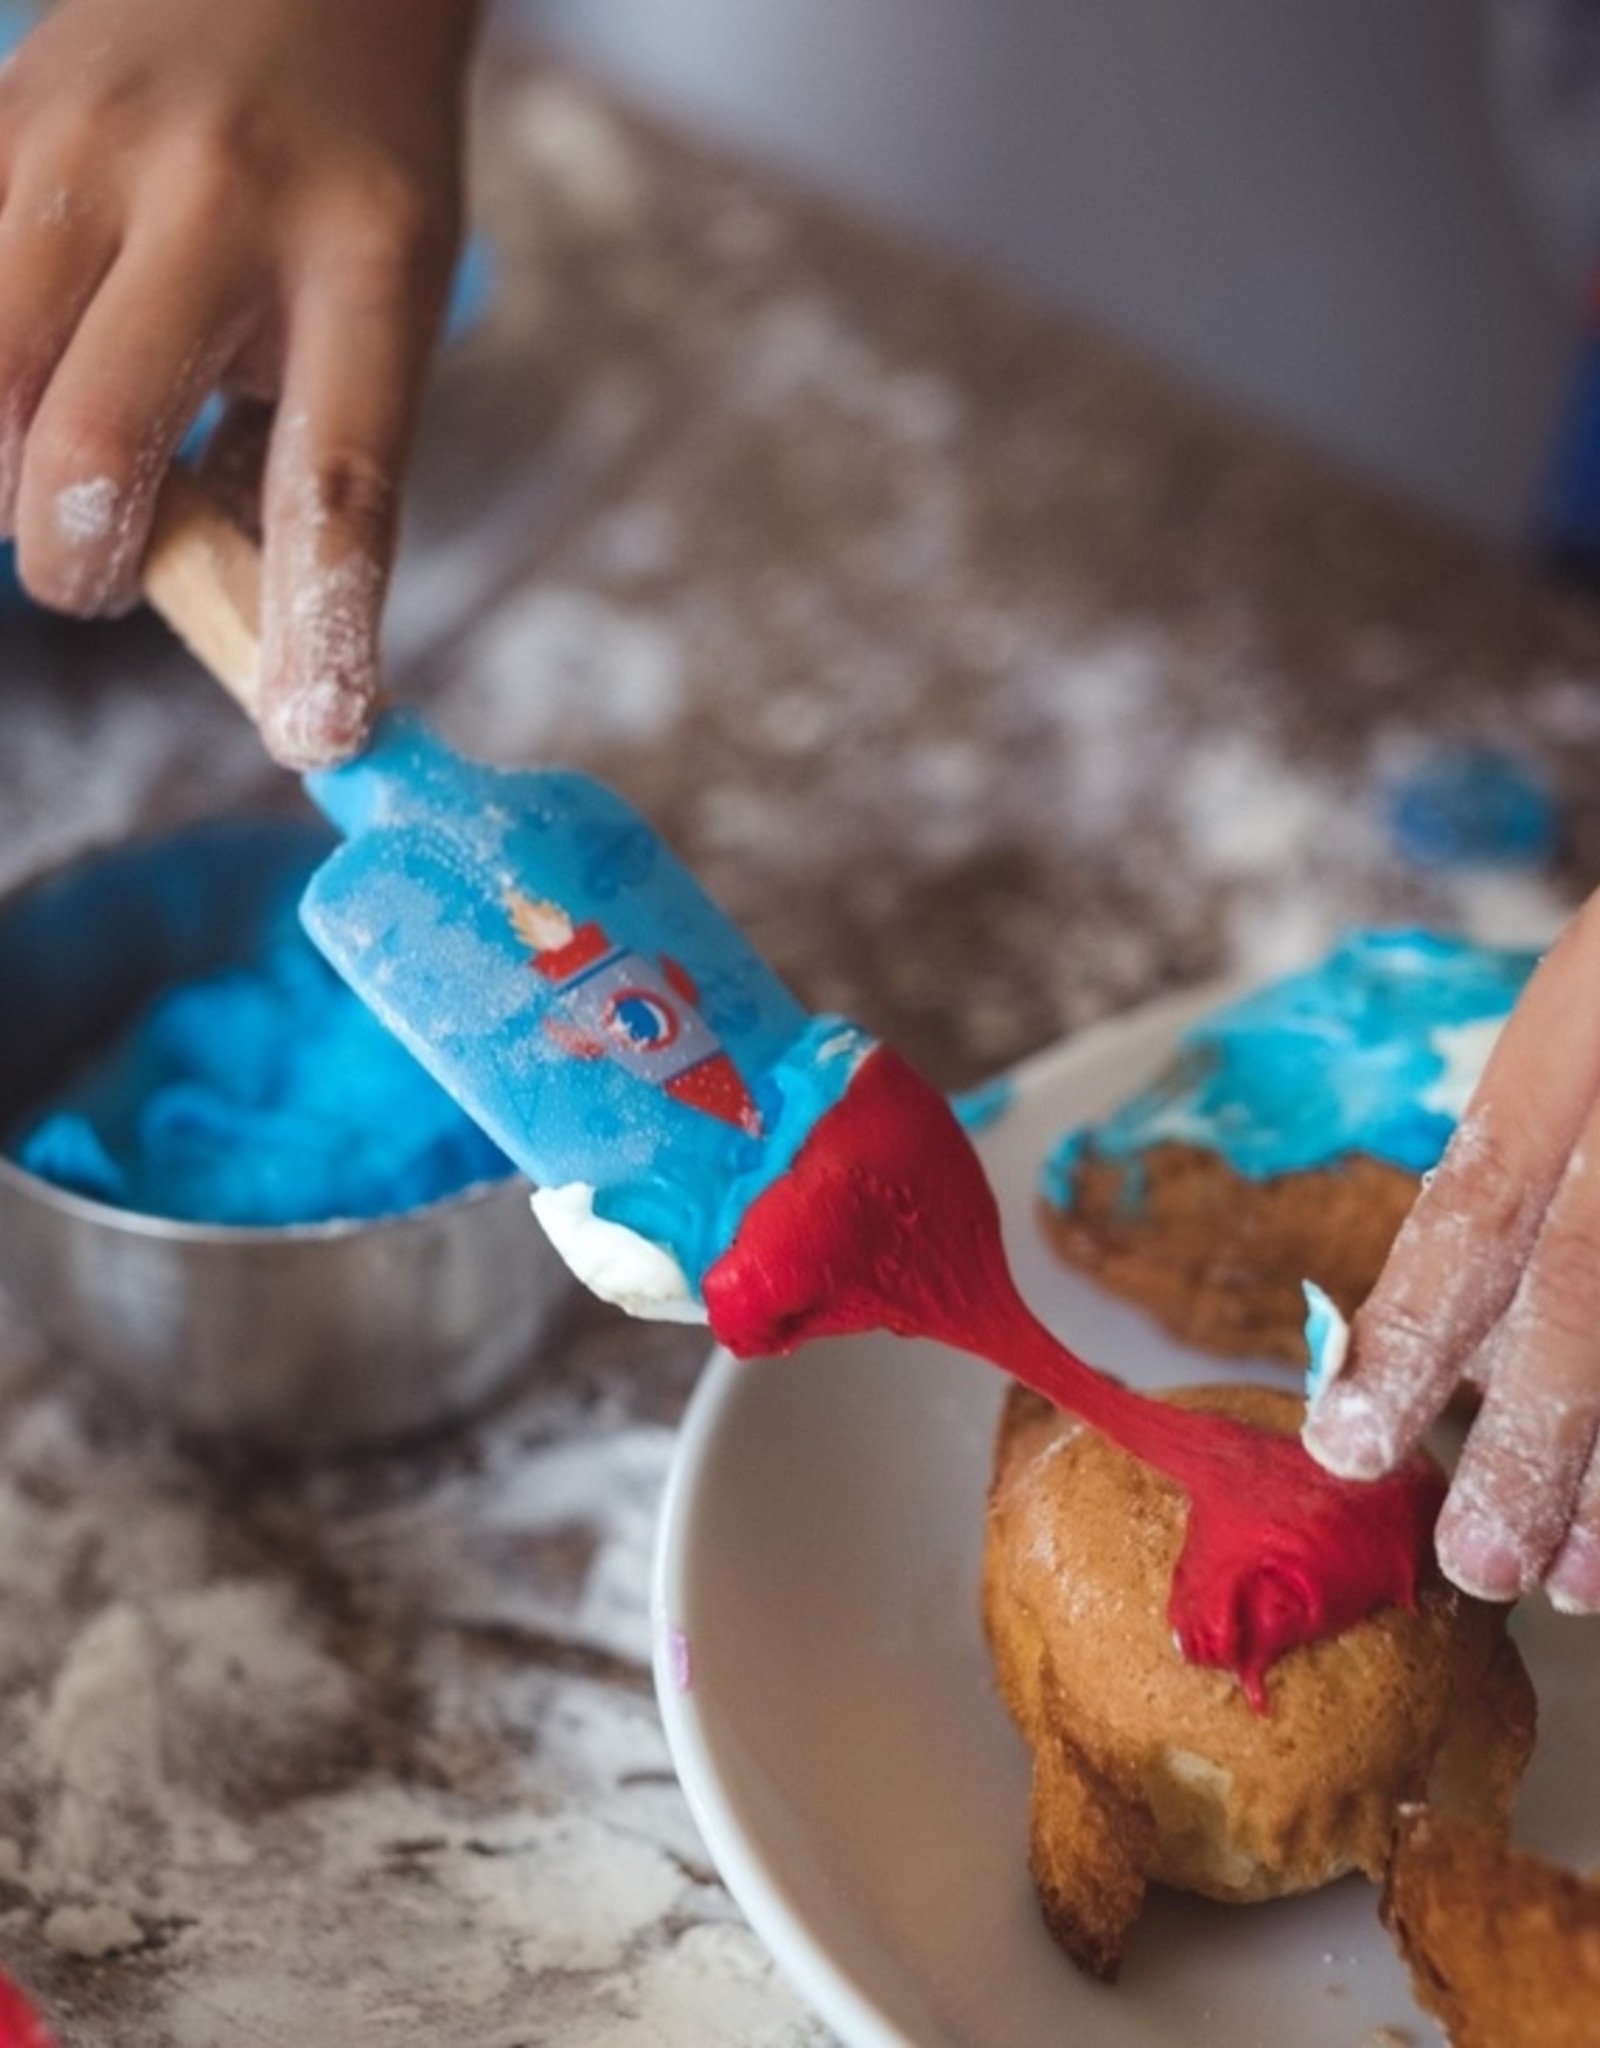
(980, 1108)
(1473, 806)
(1351, 1056)
(262, 1094)
(1327, 1332)
(568, 981)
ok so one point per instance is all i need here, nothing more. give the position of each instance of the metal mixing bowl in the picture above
(304, 1338)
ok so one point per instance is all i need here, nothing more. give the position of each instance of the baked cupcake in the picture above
(1147, 1768)
(1503, 1947)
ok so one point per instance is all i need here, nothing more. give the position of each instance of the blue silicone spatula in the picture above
(548, 959)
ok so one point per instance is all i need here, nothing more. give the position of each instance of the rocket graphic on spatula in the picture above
(548, 960)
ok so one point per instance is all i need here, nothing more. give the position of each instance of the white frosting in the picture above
(1465, 1050)
(612, 1261)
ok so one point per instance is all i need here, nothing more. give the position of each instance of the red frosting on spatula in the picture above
(887, 1221)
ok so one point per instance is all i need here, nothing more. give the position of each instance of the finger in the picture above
(1517, 1485)
(145, 353)
(53, 257)
(1456, 1262)
(1573, 1580)
(352, 385)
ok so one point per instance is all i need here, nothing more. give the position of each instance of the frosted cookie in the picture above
(1503, 1947)
(1286, 1139)
(1149, 1768)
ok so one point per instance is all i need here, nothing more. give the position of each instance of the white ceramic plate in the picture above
(827, 1696)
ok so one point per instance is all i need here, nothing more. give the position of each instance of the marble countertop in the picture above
(995, 686)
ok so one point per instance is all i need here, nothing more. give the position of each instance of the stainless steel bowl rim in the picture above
(179, 1230)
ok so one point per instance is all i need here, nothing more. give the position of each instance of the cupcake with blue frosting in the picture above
(1285, 1140)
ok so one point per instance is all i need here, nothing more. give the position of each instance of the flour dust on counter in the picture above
(365, 1754)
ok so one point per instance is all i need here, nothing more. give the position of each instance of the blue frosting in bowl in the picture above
(260, 1094)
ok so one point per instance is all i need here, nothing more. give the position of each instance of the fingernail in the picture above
(1573, 1584)
(1349, 1435)
(1480, 1557)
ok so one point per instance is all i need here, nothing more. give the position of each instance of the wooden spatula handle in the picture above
(203, 575)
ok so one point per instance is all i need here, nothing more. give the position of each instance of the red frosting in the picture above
(887, 1221)
(20, 2025)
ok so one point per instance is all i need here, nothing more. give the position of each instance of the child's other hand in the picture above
(1496, 1276)
(254, 196)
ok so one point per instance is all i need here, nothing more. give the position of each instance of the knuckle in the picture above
(1479, 1180)
(67, 131)
(68, 139)
(1402, 1357)
(391, 239)
(224, 155)
(213, 173)
(1522, 1488)
(1563, 1282)
(1389, 1327)
(358, 493)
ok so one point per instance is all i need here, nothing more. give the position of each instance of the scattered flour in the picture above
(199, 1766)
(1565, 708)
(581, 153)
(713, 1987)
(1273, 929)
(1507, 906)
(92, 1932)
(633, 542)
(802, 349)
(1247, 814)
(569, 1892)
(531, 1506)
(566, 664)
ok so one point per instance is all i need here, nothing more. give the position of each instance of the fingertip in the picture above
(1573, 1581)
(73, 551)
(1352, 1435)
(320, 687)
(319, 723)
(1481, 1558)
(84, 504)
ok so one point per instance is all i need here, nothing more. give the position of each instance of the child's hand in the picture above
(256, 196)
(1496, 1276)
